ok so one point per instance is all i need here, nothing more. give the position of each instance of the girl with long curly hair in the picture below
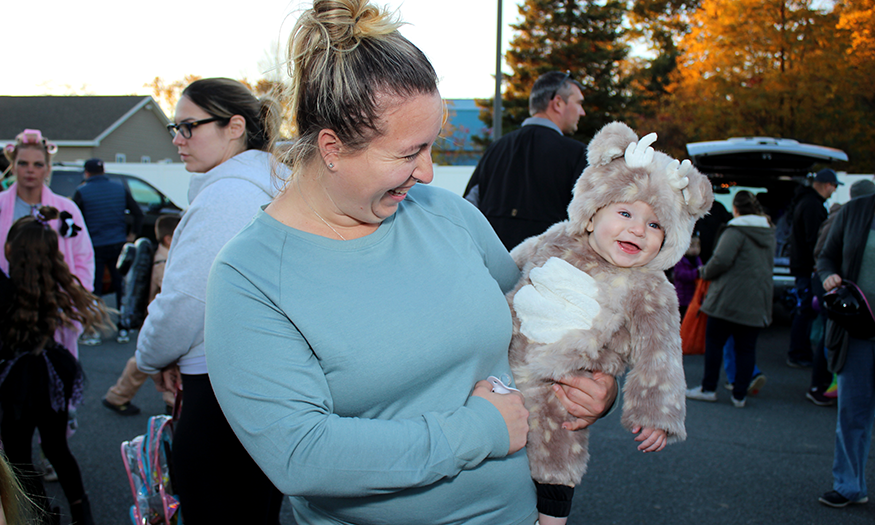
(39, 378)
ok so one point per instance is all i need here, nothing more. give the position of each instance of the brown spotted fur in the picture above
(638, 326)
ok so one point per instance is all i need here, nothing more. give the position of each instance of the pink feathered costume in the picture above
(636, 324)
(78, 252)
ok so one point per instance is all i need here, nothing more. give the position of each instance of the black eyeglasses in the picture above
(559, 85)
(184, 128)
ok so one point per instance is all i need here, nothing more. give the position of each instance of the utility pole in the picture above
(496, 102)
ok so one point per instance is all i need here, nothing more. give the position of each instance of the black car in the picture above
(65, 180)
(773, 169)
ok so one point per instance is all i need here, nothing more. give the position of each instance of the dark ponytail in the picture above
(224, 98)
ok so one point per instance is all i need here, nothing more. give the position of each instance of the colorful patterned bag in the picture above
(147, 462)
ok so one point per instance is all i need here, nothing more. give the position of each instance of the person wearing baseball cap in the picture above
(824, 177)
(93, 167)
(103, 204)
(808, 214)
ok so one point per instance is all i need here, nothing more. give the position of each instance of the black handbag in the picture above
(847, 306)
(836, 342)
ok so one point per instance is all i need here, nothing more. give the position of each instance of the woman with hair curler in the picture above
(30, 158)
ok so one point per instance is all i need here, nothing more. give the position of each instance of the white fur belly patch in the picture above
(561, 298)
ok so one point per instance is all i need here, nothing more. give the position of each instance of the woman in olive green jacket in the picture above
(739, 300)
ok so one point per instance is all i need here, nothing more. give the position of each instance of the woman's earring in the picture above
(331, 165)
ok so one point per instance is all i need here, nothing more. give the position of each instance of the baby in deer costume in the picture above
(593, 296)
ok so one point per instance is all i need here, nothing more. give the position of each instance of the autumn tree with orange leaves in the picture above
(774, 68)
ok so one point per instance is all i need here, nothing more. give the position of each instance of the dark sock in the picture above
(554, 500)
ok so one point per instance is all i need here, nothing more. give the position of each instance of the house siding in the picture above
(143, 134)
(73, 154)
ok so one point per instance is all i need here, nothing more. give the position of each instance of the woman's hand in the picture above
(831, 282)
(168, 379)
(512, 409)
(586, 398)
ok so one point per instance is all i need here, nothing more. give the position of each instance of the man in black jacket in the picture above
(808, 214)
(524, 181)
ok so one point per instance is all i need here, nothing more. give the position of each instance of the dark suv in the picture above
(773, 169)
(65, 180)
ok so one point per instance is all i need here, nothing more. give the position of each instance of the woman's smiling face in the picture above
(627, 235)
(368, 184)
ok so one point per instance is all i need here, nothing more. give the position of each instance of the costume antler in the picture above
(677, 176)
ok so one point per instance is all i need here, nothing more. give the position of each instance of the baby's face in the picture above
(627, 235)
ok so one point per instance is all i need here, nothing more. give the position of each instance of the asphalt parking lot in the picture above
(766, 463)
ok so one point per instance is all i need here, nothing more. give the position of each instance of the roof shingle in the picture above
(79, 118)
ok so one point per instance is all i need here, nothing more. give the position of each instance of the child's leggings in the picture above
(16, 431)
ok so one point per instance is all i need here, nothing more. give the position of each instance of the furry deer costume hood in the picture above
(624, 169)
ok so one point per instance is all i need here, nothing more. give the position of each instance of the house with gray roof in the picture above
(115, 129)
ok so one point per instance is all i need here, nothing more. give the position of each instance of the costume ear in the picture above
(610, 143)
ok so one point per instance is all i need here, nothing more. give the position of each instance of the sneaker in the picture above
(837, 501)
(819, 399)
(701, 395)
(49, 473)
(90, 340)
(798, 363)
(756, 384)
(738, 403)
(123, 337)
(126, 409)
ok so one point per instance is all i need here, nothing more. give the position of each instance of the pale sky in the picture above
(115, 47)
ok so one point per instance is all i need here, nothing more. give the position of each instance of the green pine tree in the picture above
(586, 38)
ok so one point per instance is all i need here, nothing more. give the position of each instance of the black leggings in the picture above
(17, 435)
(216, 479)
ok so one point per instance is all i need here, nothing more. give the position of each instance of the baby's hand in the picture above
(653, 439)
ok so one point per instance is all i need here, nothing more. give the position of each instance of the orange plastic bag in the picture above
(695, 321)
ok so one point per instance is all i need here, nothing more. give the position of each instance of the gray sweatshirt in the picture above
(223, 201)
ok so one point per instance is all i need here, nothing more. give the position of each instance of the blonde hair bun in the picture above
(343, 56)
(347, 22)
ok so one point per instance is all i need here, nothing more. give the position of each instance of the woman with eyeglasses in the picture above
(223, 134)
(30, 160)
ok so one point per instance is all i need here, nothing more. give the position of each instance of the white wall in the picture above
(172, 179)
(843, 193)
(453, 178)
